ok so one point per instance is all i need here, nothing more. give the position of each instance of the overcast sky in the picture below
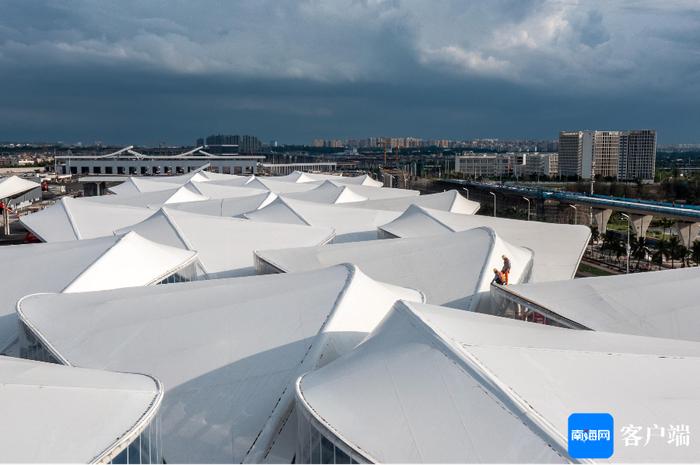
(170, 71)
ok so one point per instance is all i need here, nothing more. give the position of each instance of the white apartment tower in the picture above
(623, 155)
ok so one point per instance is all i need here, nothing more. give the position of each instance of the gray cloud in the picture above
(173, 70)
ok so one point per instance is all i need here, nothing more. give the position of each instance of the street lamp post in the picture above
(629, 249)
(467, 192)
(575, 213)
(494, 203)
(528, 207)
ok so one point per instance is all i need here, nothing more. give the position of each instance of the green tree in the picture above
(695, 252)
(610, 242)
(674, 251)
(662, 251)
(640, 249)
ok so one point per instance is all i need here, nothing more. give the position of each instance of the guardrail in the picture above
(691, 212)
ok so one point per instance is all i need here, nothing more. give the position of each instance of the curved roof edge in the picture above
(466, 362)
(141, 424)
(338, 334)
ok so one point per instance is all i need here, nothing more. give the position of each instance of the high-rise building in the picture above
(245, 143)
(624, 155)
(606, 154)
(638, 155)
(574, 146)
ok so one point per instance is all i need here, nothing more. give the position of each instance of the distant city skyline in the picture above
(149, 72)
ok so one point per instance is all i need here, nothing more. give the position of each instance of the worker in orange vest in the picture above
(505, 271)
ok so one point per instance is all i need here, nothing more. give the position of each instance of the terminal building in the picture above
(129, 162)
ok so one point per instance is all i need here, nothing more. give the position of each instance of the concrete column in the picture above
(640, 224)
(601, 216)
(6, 218)
(688, 232)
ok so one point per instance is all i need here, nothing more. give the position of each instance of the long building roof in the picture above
(558, 248)
(656, 303)
(350, 225)
(13, 186)
(73, 219)
(226, 350)
(225, 245)
(57, 414)
(453, 270)
(437, 385)
(78, 266)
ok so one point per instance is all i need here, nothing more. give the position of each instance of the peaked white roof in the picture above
(362, 180)
(76, 266)
(225, 245)
(137, 185)
(220, 191)
(449, 201)
(329, 193)
(54, 413)
(658, 303)
(153, 199)
(375, 193)
(281, 187)
(227, 351)
(232, 207)
(234, 181)
(70, 219)
(438, 385)
(298, 177)
(349, 224)
(558, 248)
(450, 270)
(214, 176)
(301, 177)
(14, 185)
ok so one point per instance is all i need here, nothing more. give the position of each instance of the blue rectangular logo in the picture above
(591, 435)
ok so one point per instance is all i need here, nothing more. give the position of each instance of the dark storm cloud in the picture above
(148, 72)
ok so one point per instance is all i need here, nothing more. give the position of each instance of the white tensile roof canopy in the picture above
(140, 184)
(449, 201)
(13, 186)
(438, 385)
(78, 266)
(558, 248)
(349, 225)
(301, 177)
(226, 350)
(658, 303)
(137, 185)
(449, 269)
(53, 413)
(219, 191)
(71, 219)
(231, 207)
(153, 199)
(329, 193)
(225, 245)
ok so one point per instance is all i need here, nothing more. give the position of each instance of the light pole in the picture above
(528, 207)
(467, 192)
(494, 203)
(629, 249)
(575, 213)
